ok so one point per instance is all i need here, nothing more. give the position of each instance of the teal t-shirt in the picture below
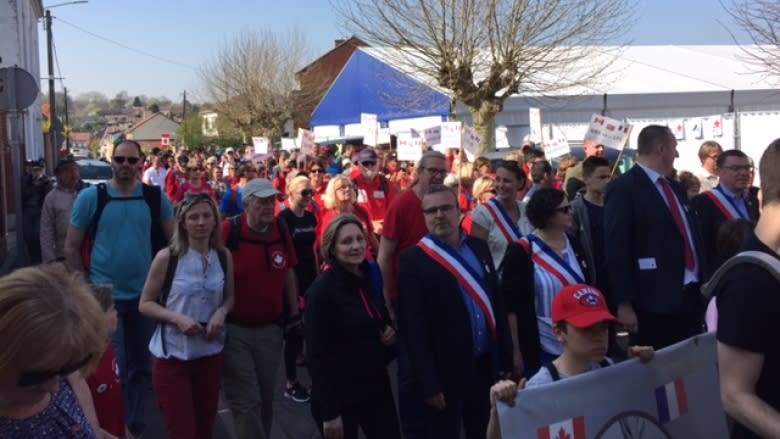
(122, 252)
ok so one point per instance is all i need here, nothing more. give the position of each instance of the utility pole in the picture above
(184, 107)
(51, 161)
(67, 123)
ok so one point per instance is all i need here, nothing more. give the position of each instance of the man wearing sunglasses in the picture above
(374, 192)
(122, 236)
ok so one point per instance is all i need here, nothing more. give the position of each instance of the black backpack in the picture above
(235, 239)
(170, 271)
(557, 376)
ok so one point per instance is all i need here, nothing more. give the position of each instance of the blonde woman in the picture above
(189, 291)
(53, 332)
(341, 197)
(483, 189)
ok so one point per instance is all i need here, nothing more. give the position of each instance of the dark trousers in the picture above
(293, 345)
(375, 414)
(662, 330)
(469, 408)
(411, 406)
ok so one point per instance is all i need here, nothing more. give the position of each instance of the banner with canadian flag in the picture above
(609, 132)
(676, 395)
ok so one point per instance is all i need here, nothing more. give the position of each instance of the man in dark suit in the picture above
(453, 321)
(651, 247)
(729, 200)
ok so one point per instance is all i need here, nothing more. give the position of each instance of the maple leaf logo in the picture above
(562, 434)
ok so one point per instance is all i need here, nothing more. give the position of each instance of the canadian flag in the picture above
(569, 429)
(598, 120)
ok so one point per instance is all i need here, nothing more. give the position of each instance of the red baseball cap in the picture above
(581, 306)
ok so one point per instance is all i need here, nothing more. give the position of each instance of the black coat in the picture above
(344, 351)
(638, 225)
(435, 324)
(710, 219)
(517, 287)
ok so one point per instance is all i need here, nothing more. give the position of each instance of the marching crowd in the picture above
(479, 279)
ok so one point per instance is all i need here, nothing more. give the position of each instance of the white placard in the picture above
(678, 128)
(383, 136)
(261, 144)
(288, 144)
(305, 141)
(607, 131)
(471, 141)
(535, 124)
(556, 148)
(408, 148)
(716, 124)
(693, 128)
(502, 140)
(370, 125)
(451, 134)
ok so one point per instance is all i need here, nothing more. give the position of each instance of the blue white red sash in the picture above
(502, 219)
(472, 283)
(546, 258)
(725, 204)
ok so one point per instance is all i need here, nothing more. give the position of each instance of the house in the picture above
(315, 79)
(149, 131)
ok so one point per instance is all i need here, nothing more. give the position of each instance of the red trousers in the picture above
(188, 394)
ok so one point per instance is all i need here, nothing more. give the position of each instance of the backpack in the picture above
(235, 239)
(767, 262)
(556, 376)
(153, 197)
(170, 271)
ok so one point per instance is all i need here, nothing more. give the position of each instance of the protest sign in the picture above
(451, 134)
(556, 148)
(535, 124)
(383, 136)
(305, 141)
(261, 145)
(408, 148)
(502, 140)
(370, 125)
(288, 144)
(676, 395)
(470, 142)
(608, 132)
(693, 128)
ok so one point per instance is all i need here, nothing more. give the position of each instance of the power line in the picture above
(126, 47)
(57, 64)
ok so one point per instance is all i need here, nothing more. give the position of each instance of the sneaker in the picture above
(297, 393)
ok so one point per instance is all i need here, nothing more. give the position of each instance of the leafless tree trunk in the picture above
(252, 81)
(483, 51)
(760, 19)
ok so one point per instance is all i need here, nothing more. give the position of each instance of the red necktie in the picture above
(674, 207)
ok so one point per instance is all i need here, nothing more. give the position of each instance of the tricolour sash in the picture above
(725, 204)
(546, 258)
(472, 283)
(504, 222)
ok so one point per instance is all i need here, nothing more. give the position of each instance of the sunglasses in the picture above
(307, 193)
(316, 171)
(34, 378)
(121, 159)
(368, 164)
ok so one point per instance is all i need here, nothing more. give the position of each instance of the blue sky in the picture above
(189, 33)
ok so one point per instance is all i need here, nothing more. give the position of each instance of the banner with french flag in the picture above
(569, 429)
(675, 395)
(671, 400)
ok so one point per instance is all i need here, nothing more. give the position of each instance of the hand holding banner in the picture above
(408, 148)
(556, 148)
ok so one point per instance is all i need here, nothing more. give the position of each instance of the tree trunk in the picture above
(484, 119)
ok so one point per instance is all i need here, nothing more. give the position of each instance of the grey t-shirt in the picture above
(543, 377)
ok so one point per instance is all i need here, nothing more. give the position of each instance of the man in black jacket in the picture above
(453, 319)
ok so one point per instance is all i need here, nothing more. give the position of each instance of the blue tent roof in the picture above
(367, 85)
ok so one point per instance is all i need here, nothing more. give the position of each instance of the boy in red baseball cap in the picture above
(581, 322)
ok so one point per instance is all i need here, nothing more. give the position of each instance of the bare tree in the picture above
(252, 81)
(483, 51)
(760, 19)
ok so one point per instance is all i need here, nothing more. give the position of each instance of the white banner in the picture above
(370, 125)
(471, 141)
(451, 134)
(305, 141)
(608, 132)
(408, 148)
(535, 124)
(556, 148)
(288, 144)
(502, 140)
(261, 145)
(383, 136)
(676, 395)
(693, 128)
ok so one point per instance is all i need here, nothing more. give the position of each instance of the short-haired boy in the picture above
(104, 382)
(581, 322)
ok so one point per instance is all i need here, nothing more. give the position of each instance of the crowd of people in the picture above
(478, 279)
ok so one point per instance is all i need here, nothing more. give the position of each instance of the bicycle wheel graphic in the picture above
(633, 424)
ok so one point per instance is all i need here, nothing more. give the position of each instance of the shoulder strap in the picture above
(170, 271)
(222, 259)
(604, 363)
(153, 197)
(553, 371)
(767, 262)
(102, 200)
(235, 233)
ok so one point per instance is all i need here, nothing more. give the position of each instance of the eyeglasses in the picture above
(121, 159)
(434, 171)
(737, 168)
(713, 156)
(34, 378)
(316, 171)
(445, 209)
(563, 209)
(307, 193)
(368, 164)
